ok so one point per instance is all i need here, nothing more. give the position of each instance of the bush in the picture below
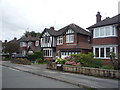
(87, 60)
(35, 55)
(23, 61)
(6, 59)
(60, 61)
(107, 67)
(38, 54)
(39, 60)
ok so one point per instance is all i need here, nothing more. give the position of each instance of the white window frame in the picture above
(37, 43)
(68, 38)
(48, 52)
(59, 40)
(24, 52)
(23, 44)
(29, 44)
(112, 31)
(105, 46)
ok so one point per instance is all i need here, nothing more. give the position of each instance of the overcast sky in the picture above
(18, 15)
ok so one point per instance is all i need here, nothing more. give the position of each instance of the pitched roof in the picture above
(74, 27)
(29, 38)
(107, 21)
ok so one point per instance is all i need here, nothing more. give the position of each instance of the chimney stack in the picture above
(98, 17)
(5, 41)
(15, 38)
(52, 27)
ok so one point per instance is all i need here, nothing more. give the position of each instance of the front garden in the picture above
(34, 58)
(84, 60)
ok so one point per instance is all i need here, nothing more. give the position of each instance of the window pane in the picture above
(102, 31)
(96, 32)
(101, 52)
(71, 38)
(107, 52)
(97, 52)
(107, 29)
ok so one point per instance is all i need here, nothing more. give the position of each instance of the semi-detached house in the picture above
(71, 39)
(105, 37)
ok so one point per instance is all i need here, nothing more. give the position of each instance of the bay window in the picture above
(104, 51)
(48, 52)
(106, 31)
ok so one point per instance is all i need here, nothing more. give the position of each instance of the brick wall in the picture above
(80, 41)
(88, 71)
(107, 41)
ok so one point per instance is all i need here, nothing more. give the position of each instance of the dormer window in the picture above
(70, 36)
(106, 31)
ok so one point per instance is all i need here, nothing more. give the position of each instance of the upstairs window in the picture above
(23, 44)
(37, 43)
(69, 31)
(59, 40)
(47, 39)
(69, 36)
(106, 31)
(29, 44)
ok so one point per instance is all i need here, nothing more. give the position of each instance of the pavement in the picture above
(71, 78)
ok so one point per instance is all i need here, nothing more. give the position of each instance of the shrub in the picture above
(60, 61)
(87, 60)
(107, 67)
(31, 57)
(38, 54)
(39, 60)
(23, 61)
(35, 55)
(6, 59)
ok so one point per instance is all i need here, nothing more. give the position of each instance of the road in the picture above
(13, 78)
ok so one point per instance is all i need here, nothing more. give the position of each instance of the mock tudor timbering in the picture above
(71, 39)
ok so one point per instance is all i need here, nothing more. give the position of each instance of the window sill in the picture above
(48, 56)
(101, 58)
(105, 37)
(59, 44)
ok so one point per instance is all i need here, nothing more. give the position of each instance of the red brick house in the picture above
(105, 37)
(71, 39)
(29, 45)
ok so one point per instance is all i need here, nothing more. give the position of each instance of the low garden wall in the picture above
(87, 71)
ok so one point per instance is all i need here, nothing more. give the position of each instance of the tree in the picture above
(32, 33)
(11, 47)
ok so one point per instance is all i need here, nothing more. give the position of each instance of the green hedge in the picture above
(87, 60)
